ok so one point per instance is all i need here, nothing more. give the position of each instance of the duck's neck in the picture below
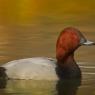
(66, 61)
(67, 68)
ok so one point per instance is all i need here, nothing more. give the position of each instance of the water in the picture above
(23, 42)
(85, 86)
(30, 28)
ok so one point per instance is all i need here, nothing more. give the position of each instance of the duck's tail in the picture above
(3, 78)
(3, 74)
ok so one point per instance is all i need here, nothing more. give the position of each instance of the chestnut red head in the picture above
(68, 41)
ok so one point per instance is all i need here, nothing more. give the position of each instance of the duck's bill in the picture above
(89, 43)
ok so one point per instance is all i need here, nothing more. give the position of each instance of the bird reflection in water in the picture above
(3, 78)
(68, 86)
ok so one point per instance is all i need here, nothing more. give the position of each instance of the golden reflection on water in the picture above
(28, 41)
(30, 28)
(67, 12)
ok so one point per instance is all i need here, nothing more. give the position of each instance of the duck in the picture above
(45, 68)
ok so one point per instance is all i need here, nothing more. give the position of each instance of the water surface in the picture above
(23, 42)
(29, 28)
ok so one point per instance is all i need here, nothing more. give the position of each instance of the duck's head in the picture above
(69, 40)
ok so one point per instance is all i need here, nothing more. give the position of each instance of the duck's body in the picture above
(39, 68)
(47, 68)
